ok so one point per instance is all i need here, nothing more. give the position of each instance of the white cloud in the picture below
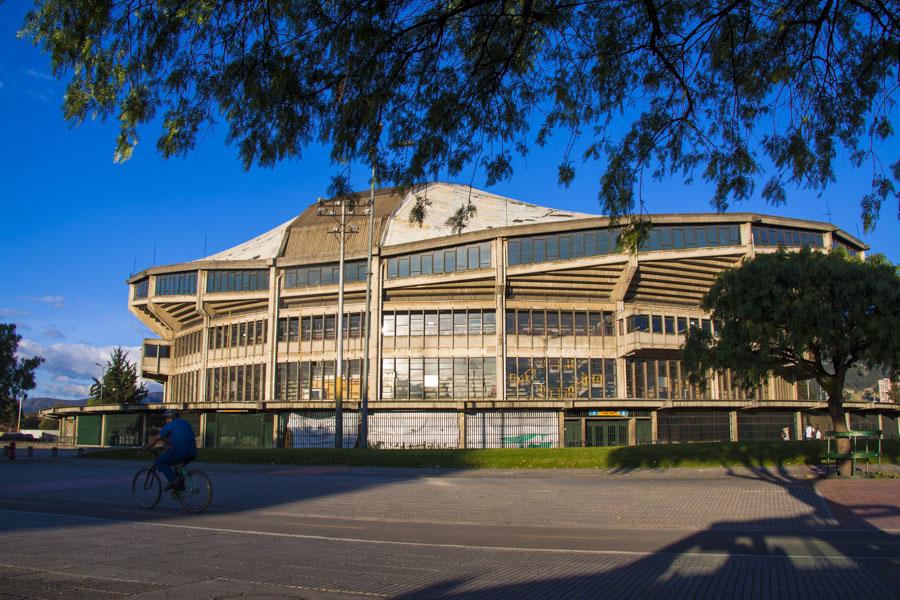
(55, 301)
(69, 368)
(76, 361)
(6, 313)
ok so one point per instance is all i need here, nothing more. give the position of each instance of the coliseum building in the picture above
(529, 328)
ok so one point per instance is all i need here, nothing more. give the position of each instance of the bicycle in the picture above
(146, 487)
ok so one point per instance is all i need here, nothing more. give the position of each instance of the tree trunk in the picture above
(842, 444)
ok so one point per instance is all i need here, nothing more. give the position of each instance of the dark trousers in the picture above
(168, 458)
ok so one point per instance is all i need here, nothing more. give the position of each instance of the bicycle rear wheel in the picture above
(146, 488)
(197, 492)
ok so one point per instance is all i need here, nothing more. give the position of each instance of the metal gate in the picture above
(89, 428)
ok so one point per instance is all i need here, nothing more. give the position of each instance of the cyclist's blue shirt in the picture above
(181, 434)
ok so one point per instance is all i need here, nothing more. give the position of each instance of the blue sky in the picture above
(76, 224)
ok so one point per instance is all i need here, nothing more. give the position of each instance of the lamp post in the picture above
(343, 231)
(363, 437)
(100, 381)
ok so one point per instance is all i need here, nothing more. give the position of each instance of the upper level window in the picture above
(437, 262)
(248, 280)
(176, 284)
(561, 246)
(142, 288)
(764, 235)
(313, 275)
(674, 237)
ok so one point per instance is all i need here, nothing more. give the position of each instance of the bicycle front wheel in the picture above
(197, 492)
(146, 488)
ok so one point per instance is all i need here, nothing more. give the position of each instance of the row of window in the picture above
(246, 280)
(184, 387)
(142, 288)
(445, 260)
(188, 344)
(666, 324)
(300, 277)
(597, 242)
(238, 334)
(177, 284)
(438, 378)
(556, 378)
(780, 236)
(154, 350)
(671, 237)
(319, 327)
(445, 322)
(240, 383)
(555, 323)
(315, 380)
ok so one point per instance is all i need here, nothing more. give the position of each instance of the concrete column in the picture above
(654, 426)
(461, 423)
(632, 431)
(798, 425)
(881, 423)
(202, 427)
(499, 251)
(103, 428)
(733, 426)
(268, 393)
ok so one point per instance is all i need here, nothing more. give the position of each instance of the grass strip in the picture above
(729, 454)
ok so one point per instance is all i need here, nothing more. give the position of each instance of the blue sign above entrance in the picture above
(607, 413)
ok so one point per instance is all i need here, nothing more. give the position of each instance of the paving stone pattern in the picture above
(67, 556)
(82, 559)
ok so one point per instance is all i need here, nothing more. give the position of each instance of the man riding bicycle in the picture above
(182, 447)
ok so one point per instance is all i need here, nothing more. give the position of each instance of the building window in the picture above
(315, 275)
(319, 327)
(764, 235)
(445, 260)
(438, 378)
(141, 288)
(240, 383)
(176, 284)
(417, 323)
(316, 380)
(542, 378)
(249, 280)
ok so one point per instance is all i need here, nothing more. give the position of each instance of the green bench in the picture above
(864, 446)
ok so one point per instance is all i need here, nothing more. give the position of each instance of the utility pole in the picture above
(363, 437)
(337, 208)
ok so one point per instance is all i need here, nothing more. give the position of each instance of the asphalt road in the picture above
(69, 527)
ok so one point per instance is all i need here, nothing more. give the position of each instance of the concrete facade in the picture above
(591, 359)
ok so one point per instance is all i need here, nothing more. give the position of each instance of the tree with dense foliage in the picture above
(121, 384)
(801, 315)
(16, 374)
(742, 92)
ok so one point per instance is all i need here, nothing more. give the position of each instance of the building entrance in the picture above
(593, 433)
(606, 432)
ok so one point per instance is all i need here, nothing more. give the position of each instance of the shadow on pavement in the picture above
(732, 559)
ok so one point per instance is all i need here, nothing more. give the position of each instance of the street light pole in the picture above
(100, 381)
(363, 438)
(343, 231)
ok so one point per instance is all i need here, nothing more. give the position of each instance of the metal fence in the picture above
(507, 429)
(413, 430)
(693, 426)
(316, 429)
(864, 422)
(124, 430)
(766, 425)
(889, 427)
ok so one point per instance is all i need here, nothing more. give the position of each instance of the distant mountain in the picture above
(33, 405)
